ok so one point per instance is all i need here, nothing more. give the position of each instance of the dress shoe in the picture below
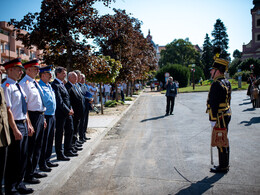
(32, 180)
(10, 193)
(166, 114)
(50, 164)
(25, 190)
(79, 142)
(77, 148)
(87, 138)
(171, 113)
(70, 154)
(82, 140)
(45, 169)
(217, 169)
(63, 158)
(39, 175)
(74, 150)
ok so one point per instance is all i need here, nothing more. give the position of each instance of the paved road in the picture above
(148, 153)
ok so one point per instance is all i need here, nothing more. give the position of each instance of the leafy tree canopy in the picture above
(61, 30)
(178, 51)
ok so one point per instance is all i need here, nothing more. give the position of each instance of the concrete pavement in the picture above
(98, 127)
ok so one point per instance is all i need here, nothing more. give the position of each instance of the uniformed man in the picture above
(36, 114)
(49, 102)
(218, 106)
(5, 138)
(20, 128)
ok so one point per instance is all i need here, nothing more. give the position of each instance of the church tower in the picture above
(252, 49)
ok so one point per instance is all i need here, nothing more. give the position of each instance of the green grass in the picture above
(113, 103)
(206, 85)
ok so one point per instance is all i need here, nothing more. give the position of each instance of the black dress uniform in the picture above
(218, 106)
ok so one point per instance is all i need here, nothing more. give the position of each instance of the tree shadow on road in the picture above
(245, 103)
(200, 187)
(248, 109)
(153, 118)
(253, 120)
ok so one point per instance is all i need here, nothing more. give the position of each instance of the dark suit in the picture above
(84, 123)
(77, 103)
(63, 120)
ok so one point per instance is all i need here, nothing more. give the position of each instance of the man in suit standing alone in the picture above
(171, 93)
(63, 115)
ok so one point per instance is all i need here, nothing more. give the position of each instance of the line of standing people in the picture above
(32, 114)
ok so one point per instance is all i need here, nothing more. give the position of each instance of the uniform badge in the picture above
(27, 81)
(7, 84)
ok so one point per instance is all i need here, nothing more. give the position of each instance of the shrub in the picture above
(177, 71)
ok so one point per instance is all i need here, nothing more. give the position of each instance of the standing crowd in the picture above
(36, 114)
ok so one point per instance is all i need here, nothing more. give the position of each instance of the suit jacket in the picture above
(62, 96)
(76, 99)
(84, 90)
(5, 138)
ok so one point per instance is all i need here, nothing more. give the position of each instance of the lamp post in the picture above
(193, 70)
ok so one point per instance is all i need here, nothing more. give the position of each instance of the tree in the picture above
(61, 30)
(220, 38)
(237, 54)
(178, 51)
(207, 56)
(121, 38)
(103, 70)
(245, 65)
(233, 67)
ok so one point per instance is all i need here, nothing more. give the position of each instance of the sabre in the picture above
(211, 151)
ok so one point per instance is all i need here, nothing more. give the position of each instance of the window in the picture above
(2, 48)
(258, 22)
(258, 37)
(7, 46)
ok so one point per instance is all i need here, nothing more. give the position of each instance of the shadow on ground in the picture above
(200, 187)
(253, 120)
(153, 118)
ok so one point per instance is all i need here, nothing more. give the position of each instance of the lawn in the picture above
(206, 85)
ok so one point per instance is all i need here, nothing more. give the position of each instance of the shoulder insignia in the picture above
(7, 84)
(27, 81)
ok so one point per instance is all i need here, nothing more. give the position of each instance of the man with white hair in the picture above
(171, 92)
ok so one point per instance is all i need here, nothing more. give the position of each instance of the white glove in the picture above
(212, 123)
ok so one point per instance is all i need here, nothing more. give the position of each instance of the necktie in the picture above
(76, 89)
(24, 104)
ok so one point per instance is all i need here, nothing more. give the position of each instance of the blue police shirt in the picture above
(48, 97)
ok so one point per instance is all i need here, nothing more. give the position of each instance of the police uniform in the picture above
(49, 102)
(5, 138)
(17, 151)
(36, 114)
(218, 106)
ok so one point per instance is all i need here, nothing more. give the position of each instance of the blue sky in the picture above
(168, 19)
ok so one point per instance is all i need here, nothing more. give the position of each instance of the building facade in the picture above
(10, 48)
(252, 49)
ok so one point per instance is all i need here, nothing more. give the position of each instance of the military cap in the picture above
(219, 63)
(13, 63)
(46, 69)
(32, 63)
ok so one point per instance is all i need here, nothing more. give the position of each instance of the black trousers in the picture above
(223, 153)
(3, 155)
(63, 124)
(169, 104)
(76, 123)
(34, 142)
(16, 159)
(84, 122)
(47, 140)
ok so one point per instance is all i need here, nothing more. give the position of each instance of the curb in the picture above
(59, 175)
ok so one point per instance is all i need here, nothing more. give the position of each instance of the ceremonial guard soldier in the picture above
(49, 102)
(36, 114)
(20, 128)
(218, 106)
(5, 138)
